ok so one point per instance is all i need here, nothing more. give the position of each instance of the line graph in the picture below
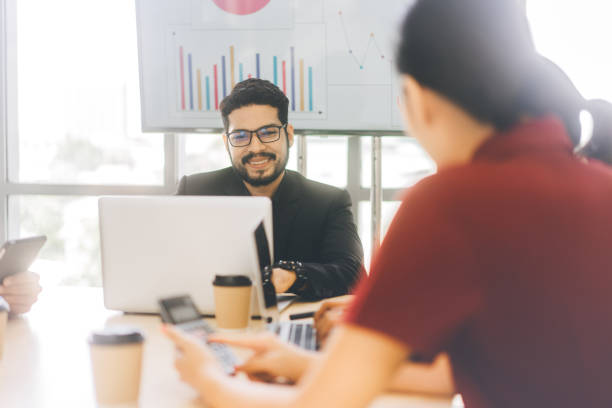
(371, 42)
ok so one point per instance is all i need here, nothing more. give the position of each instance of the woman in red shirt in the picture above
(501, 259)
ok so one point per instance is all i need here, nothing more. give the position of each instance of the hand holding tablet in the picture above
(17, 255)
(18, 286)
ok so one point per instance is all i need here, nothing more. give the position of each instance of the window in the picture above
(327, 159)
(78, 111)
(576, 35)
(72, 127)
(388, 210)
(404, 162)
(204, 152)
(71, 255)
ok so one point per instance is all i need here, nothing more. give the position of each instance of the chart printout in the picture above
(334, 59)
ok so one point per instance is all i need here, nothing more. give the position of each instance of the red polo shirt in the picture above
(506, 264)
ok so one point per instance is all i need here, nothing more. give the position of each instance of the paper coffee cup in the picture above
(4, 310)
(232, 301)
(116, 360)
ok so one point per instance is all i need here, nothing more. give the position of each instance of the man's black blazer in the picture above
(313, 224)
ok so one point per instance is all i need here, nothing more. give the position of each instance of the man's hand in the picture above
(272, 359)
(282, 279)
(194, 357)
(20, 291)
(329, 315)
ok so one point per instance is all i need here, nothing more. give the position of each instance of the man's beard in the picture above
(279, 168)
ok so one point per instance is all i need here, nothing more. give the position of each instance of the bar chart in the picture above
(333, 59)
(204, 78)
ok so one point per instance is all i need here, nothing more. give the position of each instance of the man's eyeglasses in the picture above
(265, 134)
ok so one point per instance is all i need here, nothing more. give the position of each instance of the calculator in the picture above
(181, 312)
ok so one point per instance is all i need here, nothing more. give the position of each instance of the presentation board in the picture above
(334, 59)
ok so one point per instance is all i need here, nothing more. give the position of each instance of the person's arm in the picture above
(329, 315)
(355, 368)
(20, 291)
(273, 361)
(341, 255)
(435, 378)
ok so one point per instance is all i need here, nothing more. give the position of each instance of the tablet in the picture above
(17, 255)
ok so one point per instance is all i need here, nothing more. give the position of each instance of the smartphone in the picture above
(17, 255)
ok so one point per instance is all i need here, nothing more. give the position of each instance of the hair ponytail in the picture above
(552, 92)
(548, 90)
(599, 146)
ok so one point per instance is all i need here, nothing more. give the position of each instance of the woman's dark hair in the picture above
(255, 91)
(480, 55)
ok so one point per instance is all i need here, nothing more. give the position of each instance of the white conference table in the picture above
(46, 357)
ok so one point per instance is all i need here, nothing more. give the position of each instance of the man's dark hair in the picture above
(255, 91)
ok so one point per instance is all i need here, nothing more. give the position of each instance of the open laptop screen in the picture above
(263, 255)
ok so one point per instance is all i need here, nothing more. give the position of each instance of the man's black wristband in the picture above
(301, 280)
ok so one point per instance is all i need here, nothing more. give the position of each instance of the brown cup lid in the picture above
(116, 335)
(232, 280)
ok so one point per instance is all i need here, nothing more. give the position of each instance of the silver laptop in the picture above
(163, 246)
(301, 334)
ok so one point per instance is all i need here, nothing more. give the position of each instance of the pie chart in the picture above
(241, 7)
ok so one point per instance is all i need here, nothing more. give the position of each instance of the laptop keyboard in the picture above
(201, 330)
(302, 335)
